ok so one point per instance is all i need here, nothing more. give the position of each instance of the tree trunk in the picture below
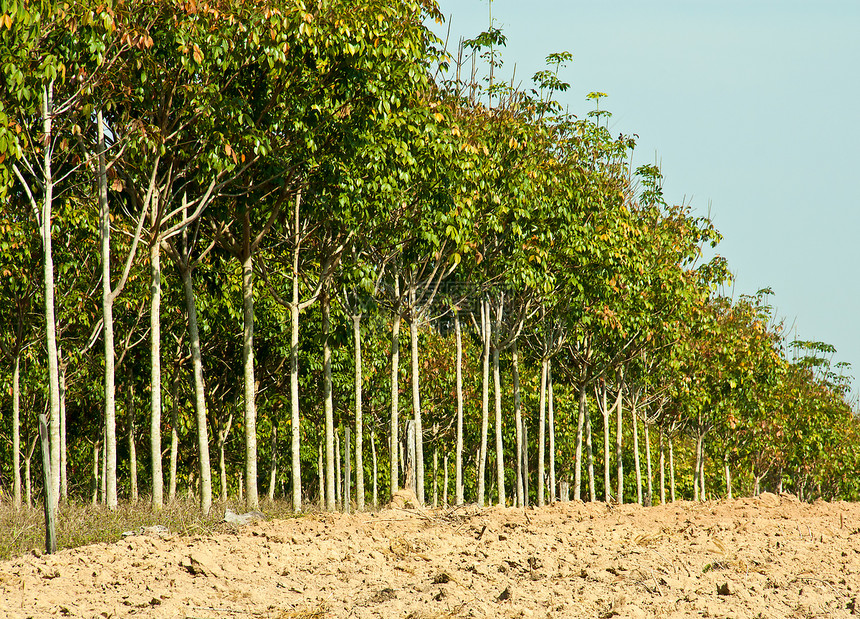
(518, 421)
(435, 465)
(222, 466)
(458, 456)
(252, 498)
(95, 478)
(16, 432)
(525, 459)
(410, 480)
(28, 477)
(273, 462)
(500, 449)
(551, 424)
(328, 408)
(649, 499)
(321, 473)
(174, 438)
(107, 309)
(155, 375)
(295, 419)
(375, 469)
(64, 480)
(445, 486)
(671, 470)
(416, 407)
(662, 469)
(702, 468)
(338, 480)
(619, 442)
(636, 458)
(199, 395)
(728, 478)
(359, 418)
(50, 316)
(544, 366)
(132, 447)
(607, 482)
(395, 393)
(485, 400)
(577, 459)
(347, 470)
(592, 491)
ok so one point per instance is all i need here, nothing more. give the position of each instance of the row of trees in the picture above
(326, 182)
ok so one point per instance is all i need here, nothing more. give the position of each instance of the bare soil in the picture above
(769, 556)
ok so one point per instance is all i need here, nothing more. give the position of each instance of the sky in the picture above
(752, 110)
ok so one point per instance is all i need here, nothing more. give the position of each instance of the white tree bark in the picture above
(497, 397)
(636, 459)
(155, 377)
(544, 367)
(518, 420)
(252, 498)
(328, 408)
(458, 456)
(420, 481)
(394, 444)
(619, 440)
(485, 400)
(16, 432)
(551, 424)
(359, 417)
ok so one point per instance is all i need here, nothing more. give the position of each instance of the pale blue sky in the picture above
(751, 108)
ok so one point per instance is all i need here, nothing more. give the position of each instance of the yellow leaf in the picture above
(439, 118)
(198, 55)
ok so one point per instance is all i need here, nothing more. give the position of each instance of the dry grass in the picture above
(81, 524)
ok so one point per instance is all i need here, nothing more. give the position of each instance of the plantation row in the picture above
(310, 244)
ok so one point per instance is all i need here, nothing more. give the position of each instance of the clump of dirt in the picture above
(769, 556)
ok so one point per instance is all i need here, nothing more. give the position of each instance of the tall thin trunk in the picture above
(359, 418)
(328, 408)
(525, 459)
(435, 465)
(338, 479)
(728, 478)
(222, 465)
(107, 309)
(252, 498)
(551, 423)
(592, 491)
(518, 421)
(174, 438)
(607, 482)
(395, 391)
(445, 486)
(95, 478)
(16, 432)
(104, 469)
(416, 403)
(295, 419)
(619, 441)
(500, 449)
(321, 473)
(50, 317)
(199, 395)
(64, 480)
(155, 374)
(580, 428)
(458, 455)
(485, 400)
(662, 469)
(544, 366)
(636, 459)
(132, 447)
(702, 493)
(273, 462)
(375, 469)
(671, 470)
(347, 469)
(649, 500)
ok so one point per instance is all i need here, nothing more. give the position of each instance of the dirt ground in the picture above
(770, 556)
